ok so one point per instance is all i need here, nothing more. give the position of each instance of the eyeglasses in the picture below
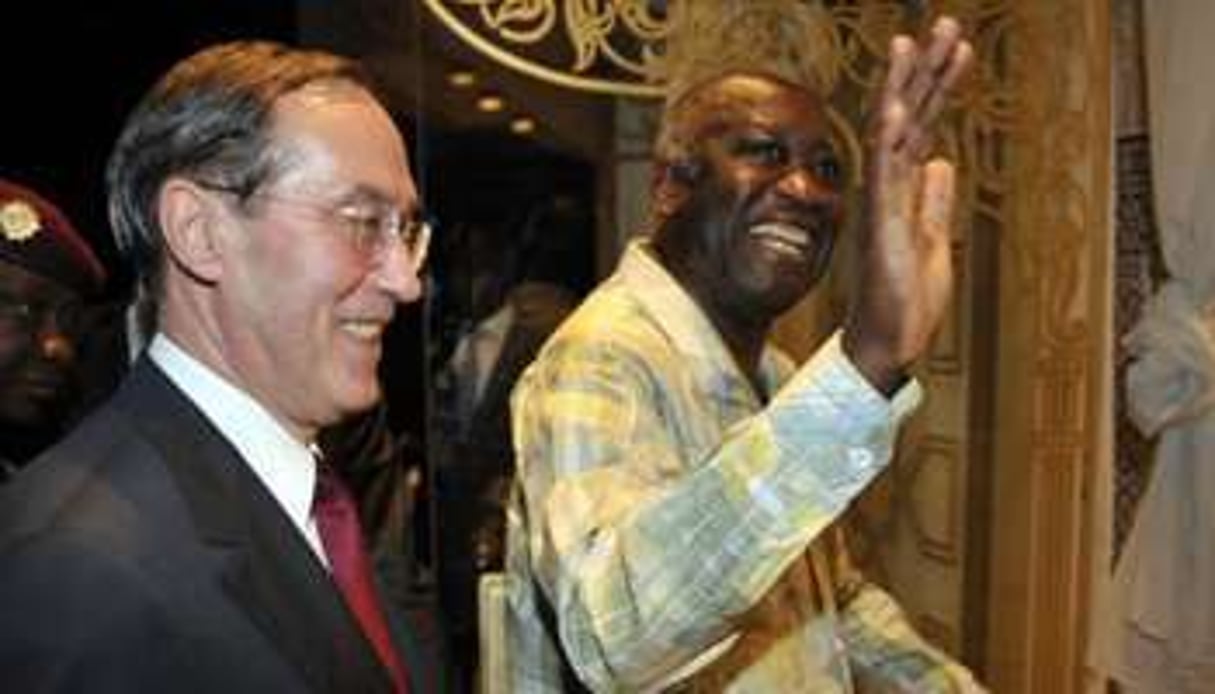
(370, 227)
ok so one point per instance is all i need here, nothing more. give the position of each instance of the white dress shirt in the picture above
(284, 464)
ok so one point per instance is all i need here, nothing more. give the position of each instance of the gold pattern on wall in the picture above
(1053, 317)
(592, 45)
(932, 489)
(1052, 263)
(621, 47)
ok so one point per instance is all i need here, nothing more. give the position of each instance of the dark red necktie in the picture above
(337, 520)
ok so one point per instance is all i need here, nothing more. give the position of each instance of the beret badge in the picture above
(19, 220)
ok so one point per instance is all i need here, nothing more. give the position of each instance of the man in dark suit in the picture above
(186, 537)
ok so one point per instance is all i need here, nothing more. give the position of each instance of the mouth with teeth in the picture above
(787, 240)
(368, 330)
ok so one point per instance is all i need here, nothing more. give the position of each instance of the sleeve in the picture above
(646, 557)
(885, 652)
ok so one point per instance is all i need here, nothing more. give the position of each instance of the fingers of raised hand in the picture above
(935, 65)
(935, 220)
(922, 78)
(903, 57)
(937, 204)
(893, 136)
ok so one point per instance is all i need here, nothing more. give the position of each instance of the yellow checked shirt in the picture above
(678, 529)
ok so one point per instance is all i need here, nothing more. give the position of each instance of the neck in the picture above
(745, 342)
(743, 334)
(744, 339)
(194, 329)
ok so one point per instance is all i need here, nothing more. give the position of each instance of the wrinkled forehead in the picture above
(752, 100)
(339, 133)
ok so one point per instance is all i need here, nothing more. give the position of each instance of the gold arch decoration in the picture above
(652, 49)
(608, 47)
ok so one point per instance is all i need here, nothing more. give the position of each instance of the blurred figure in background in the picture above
(534, 268)
(489, 358)
(47, 274)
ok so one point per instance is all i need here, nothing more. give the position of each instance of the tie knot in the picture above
(328, 484)
(330, 493)
(335, 512)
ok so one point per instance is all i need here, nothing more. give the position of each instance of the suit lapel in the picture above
(267, 567)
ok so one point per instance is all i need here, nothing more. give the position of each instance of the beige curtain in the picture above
(1164, 635)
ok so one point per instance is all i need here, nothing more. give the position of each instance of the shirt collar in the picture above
(284, 464)
(684, 321)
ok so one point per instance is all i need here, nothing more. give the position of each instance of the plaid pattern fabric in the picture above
(667, 515)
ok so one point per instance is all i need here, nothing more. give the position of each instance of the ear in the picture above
(190, 222)
(672, 185)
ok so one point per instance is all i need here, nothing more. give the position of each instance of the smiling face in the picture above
(757, 202)
(300, 307)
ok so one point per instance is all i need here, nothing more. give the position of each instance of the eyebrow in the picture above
(821, 143)
(363, 193)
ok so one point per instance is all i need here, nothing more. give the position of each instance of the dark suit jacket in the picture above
(142, 555)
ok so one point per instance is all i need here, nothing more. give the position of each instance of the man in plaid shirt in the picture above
(678, 478)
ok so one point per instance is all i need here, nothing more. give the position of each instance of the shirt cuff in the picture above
(904, 401)
(834, 431)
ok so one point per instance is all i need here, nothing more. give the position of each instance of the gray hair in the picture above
(208, 119)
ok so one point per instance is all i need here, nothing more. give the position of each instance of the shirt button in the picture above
(860, 459)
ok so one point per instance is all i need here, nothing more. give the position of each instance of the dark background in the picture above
(73, 71)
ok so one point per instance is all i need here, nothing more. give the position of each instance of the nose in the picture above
(801, 184)
(55, 347)
(397, 274)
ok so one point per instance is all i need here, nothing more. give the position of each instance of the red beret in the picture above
(37, 236)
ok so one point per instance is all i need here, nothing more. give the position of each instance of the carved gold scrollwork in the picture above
(604, 46)
(517, 21)
(621, 47)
